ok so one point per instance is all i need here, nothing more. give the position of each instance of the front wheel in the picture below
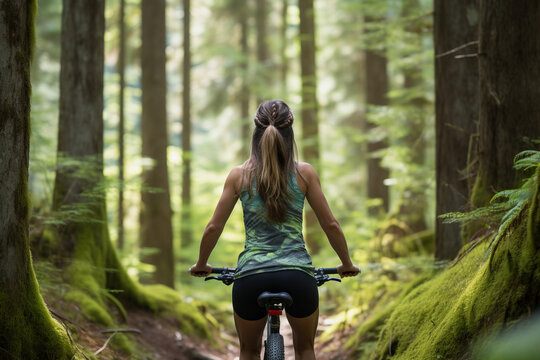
(273, 347)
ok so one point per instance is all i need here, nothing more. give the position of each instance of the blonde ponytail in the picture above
(272, 158)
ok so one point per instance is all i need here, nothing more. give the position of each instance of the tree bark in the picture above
(186, 226)
(509, 92)
(456, 108)
(310, 125)
(84, 248)
(28, 331)
(376, 77)
(80, 127)
(156, 227)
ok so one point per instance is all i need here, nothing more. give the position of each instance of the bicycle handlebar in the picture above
(226, 275)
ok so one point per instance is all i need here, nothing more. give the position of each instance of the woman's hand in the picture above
(200, 270)
(348, 270)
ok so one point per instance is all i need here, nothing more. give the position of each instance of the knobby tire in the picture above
(274, 348)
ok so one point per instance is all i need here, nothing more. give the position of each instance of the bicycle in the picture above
(273, 303)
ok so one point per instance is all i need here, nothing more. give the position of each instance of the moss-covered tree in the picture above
(28, 331)
(156, 212)
(80, 241)
(456, 107)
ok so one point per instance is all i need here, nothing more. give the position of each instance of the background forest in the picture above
(420, 117)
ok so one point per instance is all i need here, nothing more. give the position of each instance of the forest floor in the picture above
(159, 338)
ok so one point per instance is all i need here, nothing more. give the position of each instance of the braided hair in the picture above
(273, 153)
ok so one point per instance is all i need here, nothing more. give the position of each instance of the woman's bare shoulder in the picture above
(235, 174)
(235, 178)
(306, 169)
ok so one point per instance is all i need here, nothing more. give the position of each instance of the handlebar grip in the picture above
(329, 270)
(222, 270)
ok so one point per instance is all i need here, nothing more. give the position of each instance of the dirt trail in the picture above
(160, 339)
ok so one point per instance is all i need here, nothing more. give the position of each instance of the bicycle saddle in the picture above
(268, 298)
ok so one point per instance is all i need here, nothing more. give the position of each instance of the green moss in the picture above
(442, 317)
(166, 300)
(32, 333)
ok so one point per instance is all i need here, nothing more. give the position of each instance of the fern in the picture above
(505, 206)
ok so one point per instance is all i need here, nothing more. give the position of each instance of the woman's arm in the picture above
(217, 222)
(329, 224)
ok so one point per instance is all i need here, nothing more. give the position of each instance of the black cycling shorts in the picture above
(301, 286)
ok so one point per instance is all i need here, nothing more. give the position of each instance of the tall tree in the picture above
(509, 92)
(283, 50)
(121, 84)
(376, 77)
(264, 58)
(186, 232)
(310, 124)
(82, 244)
(243, 13)
(156, 227)
(413, 201)
(456, 110)
(28, 331)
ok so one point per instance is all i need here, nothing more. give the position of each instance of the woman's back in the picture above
(273, 246)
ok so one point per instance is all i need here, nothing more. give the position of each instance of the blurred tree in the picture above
(121, 126)
(376, 77)
(80, 129)
(80, 243)
(186, 235)
(264, 58)
(246, 125)
(283, 47)
(456, 106)
(412, 202)
(310, 125)
(155, 216)
(509, 92)
(28, 331)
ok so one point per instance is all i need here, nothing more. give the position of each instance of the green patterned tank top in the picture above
(273, 246)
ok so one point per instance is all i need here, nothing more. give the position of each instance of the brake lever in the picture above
(211, 278)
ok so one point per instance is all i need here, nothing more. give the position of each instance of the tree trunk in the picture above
(376, 77)
(156, 227)
(413, 202)
(28, 331)
(456, 107)
(284, 42)
(264, 76)
(310, 125)
(186, 237)
(121, 73)
(509, 92)
(79, 199)
(244, 91)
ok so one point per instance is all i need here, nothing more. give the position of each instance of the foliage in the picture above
(505, 206)
(463, 305)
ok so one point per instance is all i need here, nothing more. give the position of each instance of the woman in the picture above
(272, 186)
